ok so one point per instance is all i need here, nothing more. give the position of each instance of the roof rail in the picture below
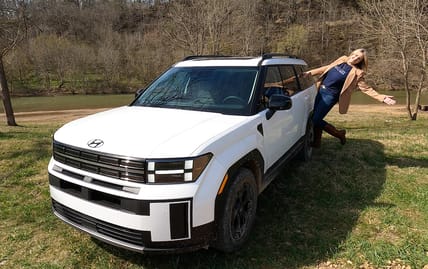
(205, 57)
(272, 55)
(264, 56)
(191, 57)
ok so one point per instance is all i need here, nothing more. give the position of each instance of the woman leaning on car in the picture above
(337, 81)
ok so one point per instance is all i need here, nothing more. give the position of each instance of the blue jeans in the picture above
(324, 102)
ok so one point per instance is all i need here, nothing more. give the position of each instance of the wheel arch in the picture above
(255, 163)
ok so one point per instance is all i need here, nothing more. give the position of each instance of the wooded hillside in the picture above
(90, 46)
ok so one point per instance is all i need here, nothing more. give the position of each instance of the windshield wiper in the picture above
(162, 100)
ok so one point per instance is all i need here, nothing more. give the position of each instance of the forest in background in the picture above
(101, 46)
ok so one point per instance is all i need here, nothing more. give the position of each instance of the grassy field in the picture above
(362, 205)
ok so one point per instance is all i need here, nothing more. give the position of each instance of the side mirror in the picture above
(278, 102)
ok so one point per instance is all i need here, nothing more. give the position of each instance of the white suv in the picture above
(181, 167)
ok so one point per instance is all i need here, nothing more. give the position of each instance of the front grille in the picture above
(139, 207)
(123, 234)
(99, 163)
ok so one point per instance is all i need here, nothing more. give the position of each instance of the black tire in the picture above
(305, 153)
(238, 213)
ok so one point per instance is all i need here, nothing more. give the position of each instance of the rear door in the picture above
(307, 84)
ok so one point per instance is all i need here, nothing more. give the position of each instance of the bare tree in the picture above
(5, 96)
(419, 25)
(109, 56)
(199, 25)
(246, 25)
(12, 30)
(403, 25)
(185, 27)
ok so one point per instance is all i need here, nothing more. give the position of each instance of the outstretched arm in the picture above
(320, 70)
(315, 72)
(365, 88)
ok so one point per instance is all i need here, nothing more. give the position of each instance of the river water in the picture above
(27, 104)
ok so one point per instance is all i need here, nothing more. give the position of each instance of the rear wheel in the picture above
(238, 213)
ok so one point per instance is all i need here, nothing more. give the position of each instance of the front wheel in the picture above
(238, 213)
(305, 153)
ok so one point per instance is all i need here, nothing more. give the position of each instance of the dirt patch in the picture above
(51, 116)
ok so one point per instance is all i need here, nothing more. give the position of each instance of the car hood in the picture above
(148, 132)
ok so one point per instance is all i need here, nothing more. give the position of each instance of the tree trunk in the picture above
(5, 96)
(417, 103)
(405, 66)
(423, 49)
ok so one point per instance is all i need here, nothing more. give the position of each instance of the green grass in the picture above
(362, 204)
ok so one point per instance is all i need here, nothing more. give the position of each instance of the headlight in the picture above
(176, 170)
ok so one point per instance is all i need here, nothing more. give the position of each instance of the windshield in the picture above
(226, 90)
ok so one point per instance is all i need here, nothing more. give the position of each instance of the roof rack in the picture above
(275, 55)
(272, 55)
(192, 57)
(264, 56)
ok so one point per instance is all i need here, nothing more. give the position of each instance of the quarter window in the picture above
(273, 77)
(305, 81)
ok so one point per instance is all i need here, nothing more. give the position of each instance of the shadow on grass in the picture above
(303, 216)
(408, 162)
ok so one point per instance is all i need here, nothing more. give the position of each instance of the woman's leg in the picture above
(324, 102)
(340, 134)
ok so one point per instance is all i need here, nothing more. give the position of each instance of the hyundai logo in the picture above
(95, 143)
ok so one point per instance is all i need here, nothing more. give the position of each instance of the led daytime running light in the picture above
(176, 170)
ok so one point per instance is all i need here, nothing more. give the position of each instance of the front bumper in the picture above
(138, 225)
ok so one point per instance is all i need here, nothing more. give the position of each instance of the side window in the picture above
(273, 82)
(273, 77)
(291, 85)
(305, 82)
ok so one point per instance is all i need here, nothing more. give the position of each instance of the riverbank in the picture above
(68, 115)
(71, 102)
